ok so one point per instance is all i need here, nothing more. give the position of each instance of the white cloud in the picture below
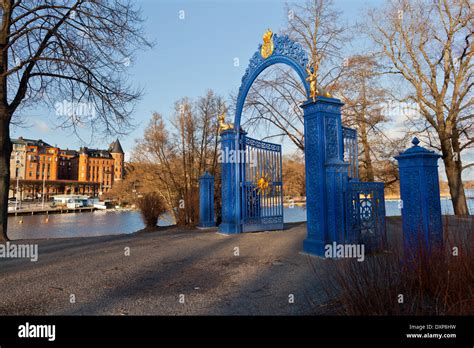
(41, 126)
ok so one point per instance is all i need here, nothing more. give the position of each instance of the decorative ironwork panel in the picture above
(351, 151)
(262, 185)
(331, 129)
(365, 214)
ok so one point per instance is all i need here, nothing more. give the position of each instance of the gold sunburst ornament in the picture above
(267, 47)
(263, 183)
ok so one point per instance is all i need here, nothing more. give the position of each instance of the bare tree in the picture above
(316, 25)
(274, 98)
(294, 184)
(175, 159)
(73, 51)
(428, 44)
(157, 162)
(272, 106)
(364, 109)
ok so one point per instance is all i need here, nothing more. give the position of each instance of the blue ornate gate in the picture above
(261, 186)
(365, 202)
(339, 207)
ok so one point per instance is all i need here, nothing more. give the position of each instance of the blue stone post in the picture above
(230, 190)
(326, 174)
(419, 191)
(206, 201)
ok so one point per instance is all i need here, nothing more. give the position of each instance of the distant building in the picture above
(119, 159)
(67, 170)
(35, 163)
(33, 159)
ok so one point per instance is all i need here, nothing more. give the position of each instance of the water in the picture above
(98, 223)
(392, 209)
(298, 213)
(113, 222)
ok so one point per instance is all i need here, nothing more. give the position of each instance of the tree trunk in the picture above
(5, 153)
(5, 117)
(453, 170)
(369, 174)
(369, 169)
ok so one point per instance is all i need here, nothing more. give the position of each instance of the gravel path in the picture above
(163, 269)
(168, 266)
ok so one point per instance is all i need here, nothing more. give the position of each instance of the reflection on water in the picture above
(98, 223)
(101, 223)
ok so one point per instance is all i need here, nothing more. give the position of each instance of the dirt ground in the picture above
(170, 272)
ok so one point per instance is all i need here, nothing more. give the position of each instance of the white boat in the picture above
(74, 205)
(100, 206)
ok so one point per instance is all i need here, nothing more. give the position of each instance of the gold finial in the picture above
(223, 126)
(267, 47)
(314, 90)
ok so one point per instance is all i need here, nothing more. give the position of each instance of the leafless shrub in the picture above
(151, 206)
(436, 284)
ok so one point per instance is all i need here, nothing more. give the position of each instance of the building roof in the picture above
(69, 152)
(96, 153)
(33, 142)
(116, 147)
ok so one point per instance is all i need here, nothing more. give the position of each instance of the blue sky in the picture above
(191, 55)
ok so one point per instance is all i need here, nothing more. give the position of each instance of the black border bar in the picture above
(194, 330)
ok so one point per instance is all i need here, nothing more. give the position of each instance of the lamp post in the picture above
(44, 184)
(18, 205)
(18, 166)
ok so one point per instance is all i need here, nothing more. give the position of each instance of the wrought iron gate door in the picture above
(365, 215)
(261, 186)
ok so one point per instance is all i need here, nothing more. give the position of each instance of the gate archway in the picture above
(331, 216)
(259, 209)
(246, 206)
(285, 52)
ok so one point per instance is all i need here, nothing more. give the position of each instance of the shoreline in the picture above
(387, 198)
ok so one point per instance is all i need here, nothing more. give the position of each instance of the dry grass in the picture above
(435, 284)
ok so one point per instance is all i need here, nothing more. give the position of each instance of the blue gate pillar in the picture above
(326, 174)
(206, 201)
(230, 155)
(419, 191)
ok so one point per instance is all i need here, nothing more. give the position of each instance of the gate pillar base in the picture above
(314, 247)
(229, 228)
